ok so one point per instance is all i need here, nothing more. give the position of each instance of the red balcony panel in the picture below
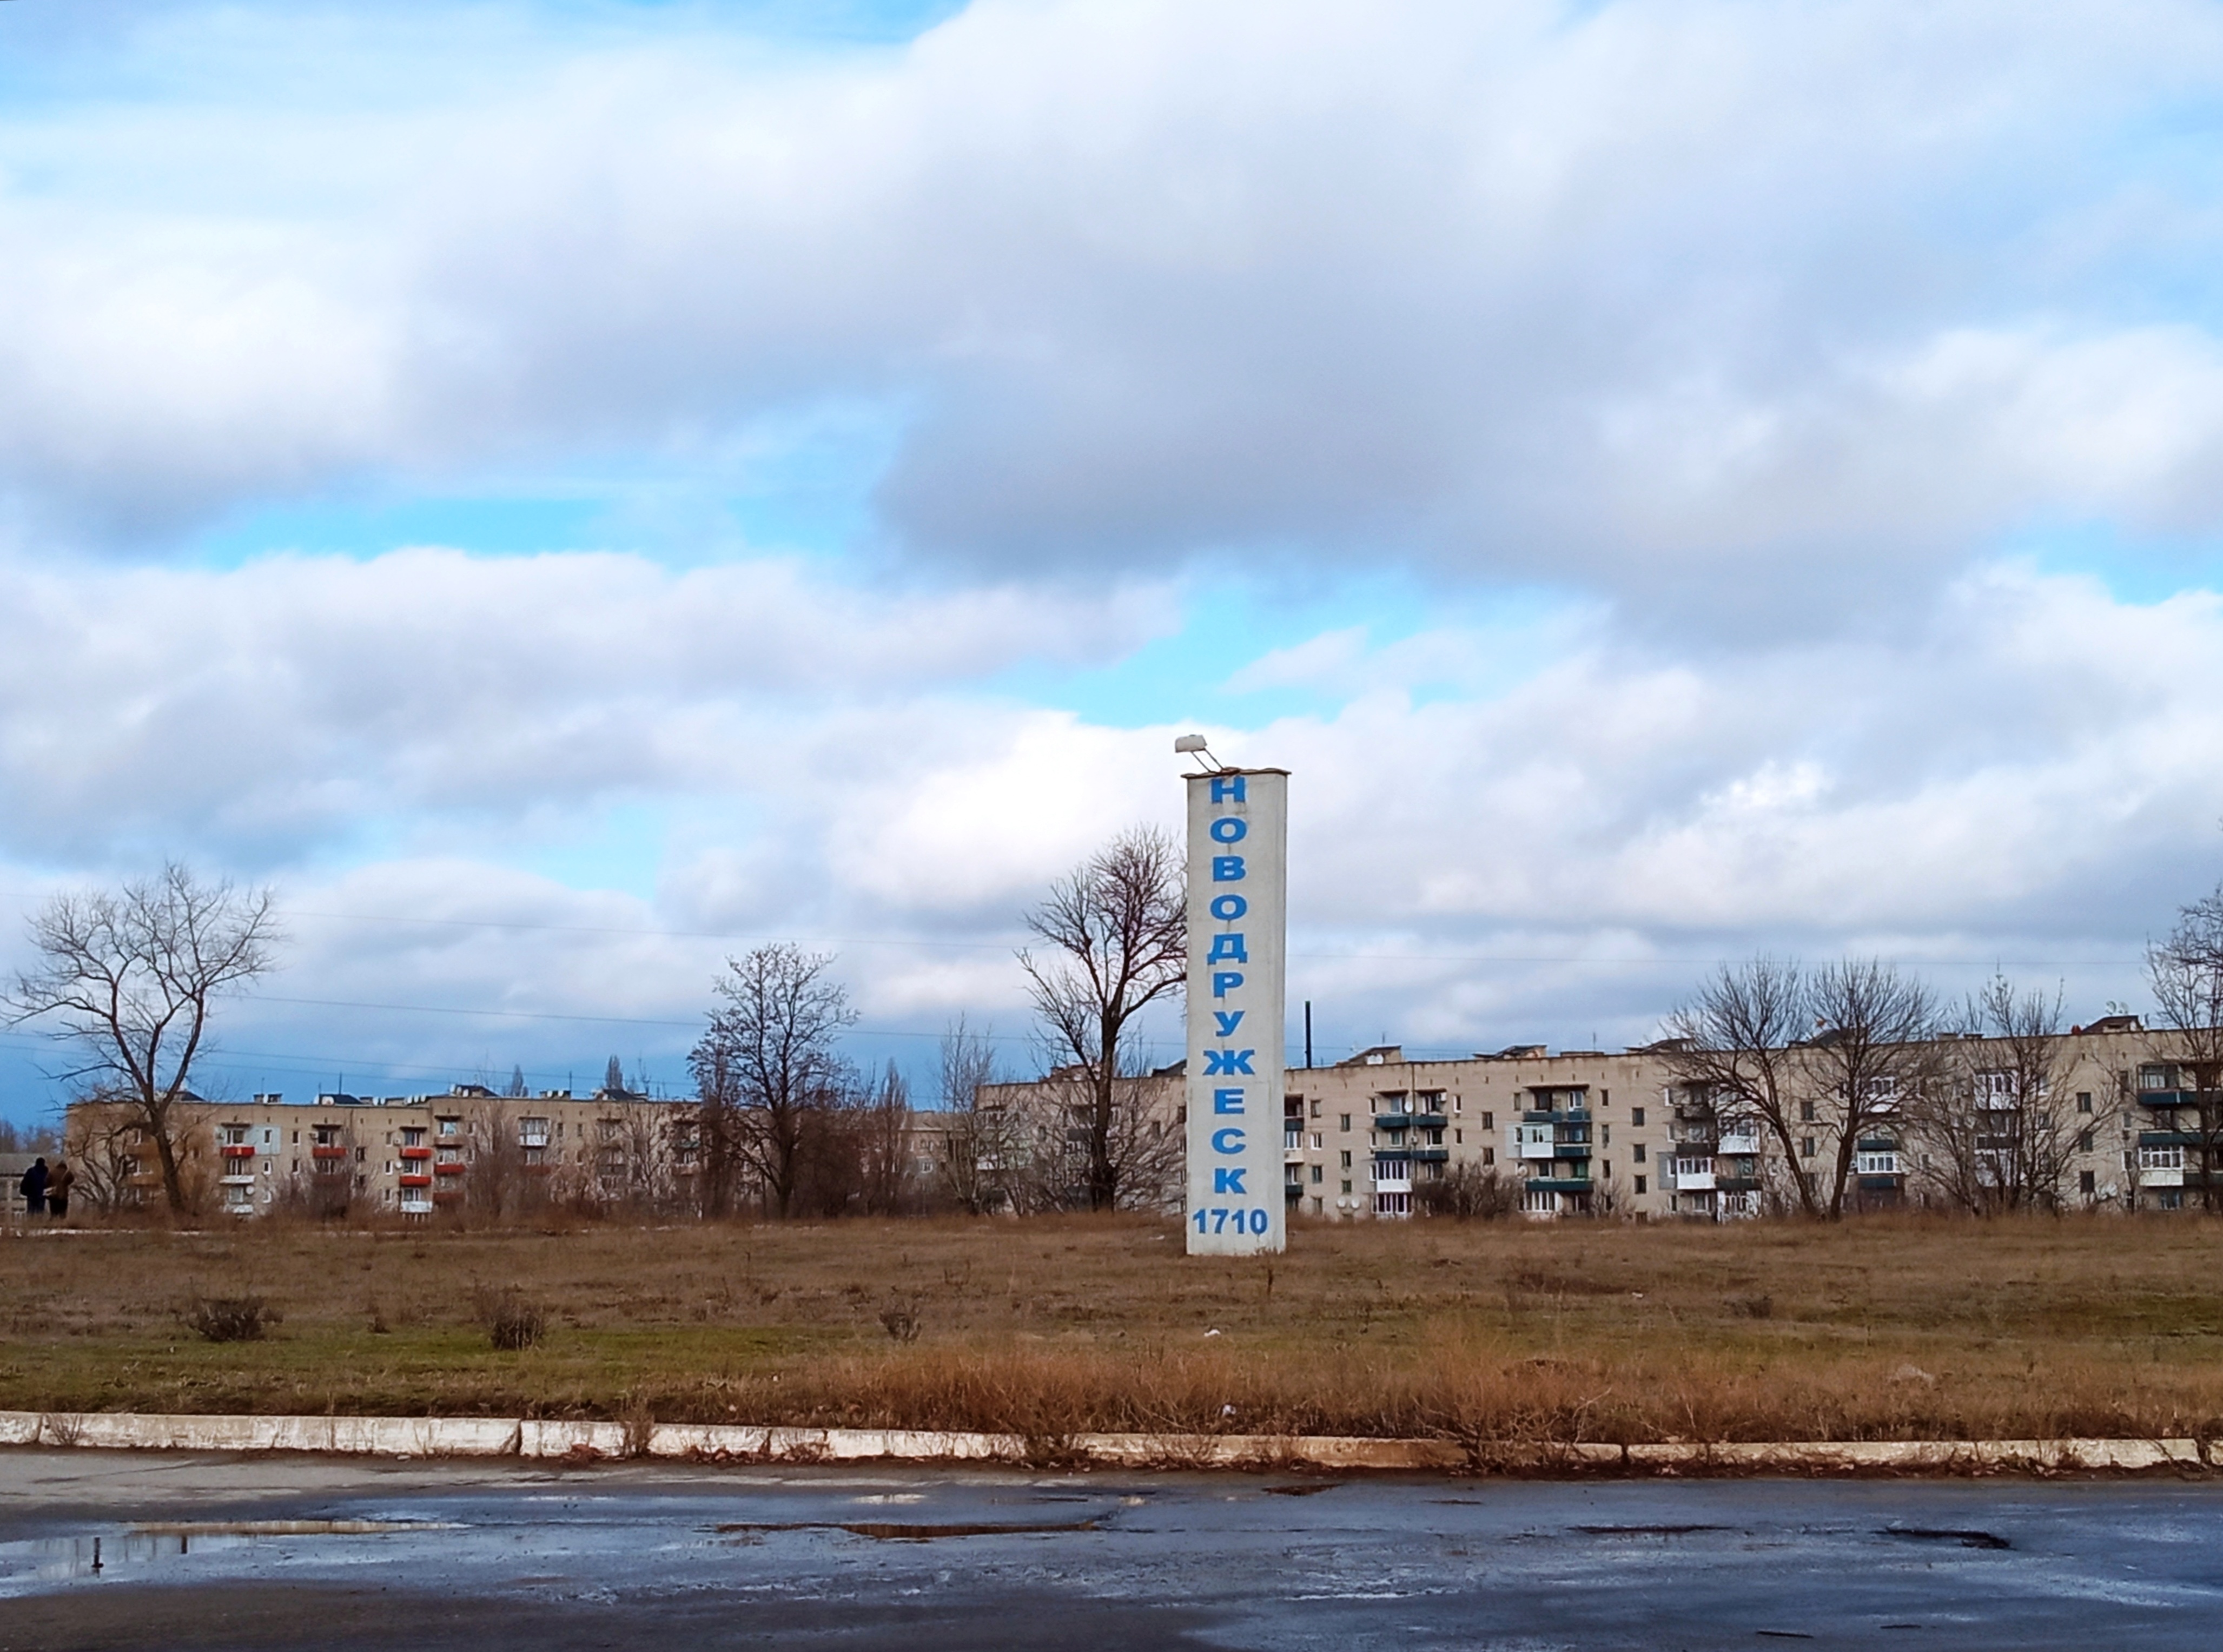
(408, 1180)
(448, 1169)
(416, 1152)
(239, 1150)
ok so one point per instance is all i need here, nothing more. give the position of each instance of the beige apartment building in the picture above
(1580, 1132)
(1598, 1132)
(408, 1155)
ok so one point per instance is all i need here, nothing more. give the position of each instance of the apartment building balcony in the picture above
(2168, 1097)
(416, 1152)
(1410, 1120)
(449, 1167)
(1692, 1181)
(242, 1179)
(1293, 1191)
(1559, 1184)
(237, 1150)
(328, 1151)
(415, 1207)
(1431, 1155)
(1742, 1144)
(1293, 1147)
(533, 1138)
(2169, 1138)
(414, 1179)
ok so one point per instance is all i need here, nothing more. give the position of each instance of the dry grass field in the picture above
(1881, 1328)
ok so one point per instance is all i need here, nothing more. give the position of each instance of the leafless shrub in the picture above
(513, 1321)
(229, 1318)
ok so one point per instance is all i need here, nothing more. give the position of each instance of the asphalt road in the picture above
(102, 1550)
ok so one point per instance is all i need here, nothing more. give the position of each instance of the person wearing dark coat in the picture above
(32, 1187)
(60, 1181)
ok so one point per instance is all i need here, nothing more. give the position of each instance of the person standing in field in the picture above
(32, 1187)
(60, 1181)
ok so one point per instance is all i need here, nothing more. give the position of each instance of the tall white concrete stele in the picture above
(1239, 835)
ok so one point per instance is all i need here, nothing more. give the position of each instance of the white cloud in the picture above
(280, 704)
(1722, 306)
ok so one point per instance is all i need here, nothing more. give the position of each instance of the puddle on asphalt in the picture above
(1944, 1535)
(891, 1531)
(130, 1549)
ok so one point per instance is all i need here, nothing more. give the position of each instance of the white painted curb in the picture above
(411, 1437)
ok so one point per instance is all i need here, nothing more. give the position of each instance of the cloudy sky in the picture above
(564, 491)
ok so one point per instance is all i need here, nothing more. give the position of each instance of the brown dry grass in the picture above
(1882, 1328)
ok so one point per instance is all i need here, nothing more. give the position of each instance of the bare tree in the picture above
(1061, 1130)
(2186, 974)
(498, 1184)
(1994, 1133)
(976, 1156)
(1874, 1052)
(883, 1135)
(98, 1138)
(1730, 1046)
(1117, 932)
(769, 1055)
(1468, 1192)
(130, 979)
(717, 1133)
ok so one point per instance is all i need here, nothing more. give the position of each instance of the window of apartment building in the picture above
(1605, 1170)
(1640, 1184)
(1605, 1098)
(2087, 1183)
(1346, 1185)
(1346, 1158)
(413, 1136)
(1458, 1138)
(1637, 1152)
(1316, 1141)
(450, 1126)
(1636, 1117)
(1319, 1175)
(1344, 1126)
(1805, 1113)
(2084, 1142)
(1605, 1135)
(1316, 1109)
(2083, 1101)
(1490, 1156)
(1806, 1147)
(1489, 1120)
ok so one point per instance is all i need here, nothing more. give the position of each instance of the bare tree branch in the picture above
(130, 978)
(1117, 934)
(767, 1064)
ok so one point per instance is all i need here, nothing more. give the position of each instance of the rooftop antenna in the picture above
(1187, 743)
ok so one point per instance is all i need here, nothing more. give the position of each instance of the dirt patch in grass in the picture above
(1896, 1327)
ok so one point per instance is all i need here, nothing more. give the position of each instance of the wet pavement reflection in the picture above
(112, 1550)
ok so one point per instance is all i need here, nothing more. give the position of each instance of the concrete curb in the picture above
(412, 1437)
